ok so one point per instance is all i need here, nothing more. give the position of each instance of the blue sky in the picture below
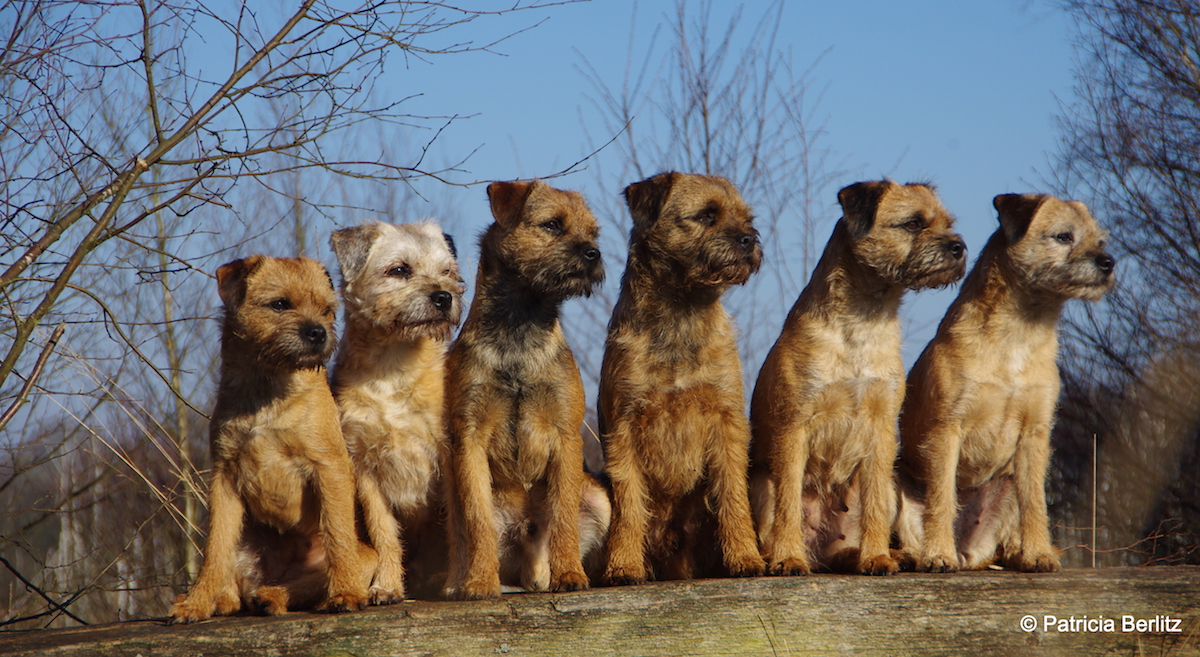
(963, 94)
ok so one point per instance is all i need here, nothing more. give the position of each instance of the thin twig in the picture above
(54, 605)
(33, 375)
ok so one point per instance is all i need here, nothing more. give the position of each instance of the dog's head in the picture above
(545, 237)
(399, 281)
(1055, 246)
(903, 233)
(698, 225)
(282, 307)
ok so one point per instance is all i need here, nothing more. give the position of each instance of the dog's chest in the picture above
(271, 463)
(530, 403)
(1011, 390)
(678, 425)
(399, 446)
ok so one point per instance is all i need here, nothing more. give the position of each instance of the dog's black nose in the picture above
(441, 299)
(747, 240)
(314, 334)
(956, 248)
(1105, 263)
(591, 254)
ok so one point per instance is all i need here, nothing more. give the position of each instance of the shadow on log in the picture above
(976, 613)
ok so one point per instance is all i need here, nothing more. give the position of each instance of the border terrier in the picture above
(672, 408)
(825, 405)
(403, 297)
(281, 499)
(514, 402)
(976, 425)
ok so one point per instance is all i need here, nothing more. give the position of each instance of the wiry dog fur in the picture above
(403, 296)
(671, 401)
(281, 499)
(825, 406)
(976, 423)
(515, 402)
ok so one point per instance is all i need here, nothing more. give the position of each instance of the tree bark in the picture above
(977, 613)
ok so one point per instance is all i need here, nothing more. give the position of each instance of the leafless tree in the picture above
(140, 141)
(1131, 148)
(724, 99)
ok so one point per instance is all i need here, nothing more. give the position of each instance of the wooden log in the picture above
(976, 613)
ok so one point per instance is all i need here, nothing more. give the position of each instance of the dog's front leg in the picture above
(347, 588)
(476, 512)
(878, 495)
(627, 538)
(216, 588)
(387, 584)
(939, 554)
(1030, 462)
(735, 527)
(564, 492)
(784, 546)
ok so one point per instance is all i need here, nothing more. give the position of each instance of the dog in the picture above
(824, 408)
(514, 403)
(975, 428)
(281, 498)
(403, 296)
(671, 405)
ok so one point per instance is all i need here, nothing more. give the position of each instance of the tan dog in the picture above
(672, 410)
(403, 296)
(281, 499)
(825, 406)
(515, 402)
(976, 423)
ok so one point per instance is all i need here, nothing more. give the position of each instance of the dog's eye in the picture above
(401, 271)
(1065, 238)
(554, 227)
(912, 226)
(706, 219)
(280, 305)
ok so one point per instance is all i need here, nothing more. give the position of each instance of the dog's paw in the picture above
(344, 601)
(883, 564)
(624, 575)
(190, 612)
(378, 595)
(269, 601)
(1046, 562)
(747, 566)
(484, 588)
(790, 566)
(939, 563)
(569, 581)
(190, 609)
(907, 560)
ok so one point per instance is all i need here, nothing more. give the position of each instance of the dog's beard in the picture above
(435, 329)
(289, 348)
(932, 267)
(947, 275)
(1075, 281)
(408, 319)
(727, 268)
(571, 281)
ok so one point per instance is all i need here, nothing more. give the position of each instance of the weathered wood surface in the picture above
(909, 614)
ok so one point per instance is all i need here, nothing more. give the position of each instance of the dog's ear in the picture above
(450, 244)
(231, 279)
(352, 246)
(646, 199)
(859, 203)
(508, 200)
(1016, 213)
